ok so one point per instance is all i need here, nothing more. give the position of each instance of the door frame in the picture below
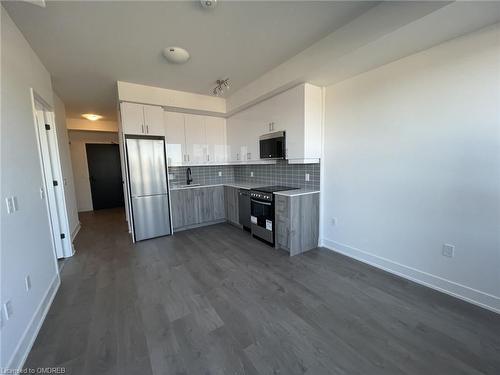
(50, 164)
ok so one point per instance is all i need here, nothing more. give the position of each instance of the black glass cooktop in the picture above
(272, 189)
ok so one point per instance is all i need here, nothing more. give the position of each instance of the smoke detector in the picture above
(176, 55)
(208, 4)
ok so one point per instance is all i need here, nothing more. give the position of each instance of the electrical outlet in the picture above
(27, 281)
(42, 193)
(171, 176)
(8, 310)
(220, 174)
(307, 177)
(448, 250)
(251, 174)
(334, 221)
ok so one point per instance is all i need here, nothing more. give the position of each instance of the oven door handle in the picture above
(261, 202)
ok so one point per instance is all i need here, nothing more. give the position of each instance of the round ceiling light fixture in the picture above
(208, 4)
(91, 116)
(176, 55)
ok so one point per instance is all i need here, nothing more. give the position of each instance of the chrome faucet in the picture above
(189, 179)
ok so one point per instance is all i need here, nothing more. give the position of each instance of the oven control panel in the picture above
(258, 195)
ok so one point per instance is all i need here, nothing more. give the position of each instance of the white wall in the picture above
(67, 169)
(26, 245)
(78, 139)
(412, 161)
(87, 125)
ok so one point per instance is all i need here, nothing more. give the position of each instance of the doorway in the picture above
(105, 175)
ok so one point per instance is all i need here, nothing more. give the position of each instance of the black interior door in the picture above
(105, 175)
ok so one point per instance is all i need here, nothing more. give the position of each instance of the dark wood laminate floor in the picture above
(214, 301)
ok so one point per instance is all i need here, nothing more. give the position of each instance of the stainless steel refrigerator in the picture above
(147, 171)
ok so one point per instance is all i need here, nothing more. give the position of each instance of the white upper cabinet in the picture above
(175, 138)
(141, 119)
(195, 139)
(297, 111)
(215, 129)
(153, 120)
(132, 118)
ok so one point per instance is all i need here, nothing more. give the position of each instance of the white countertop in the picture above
(295, 192)
(249, 185)
(239, 185)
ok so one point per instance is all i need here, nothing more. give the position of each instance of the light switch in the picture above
(8, 204)
(14, 203)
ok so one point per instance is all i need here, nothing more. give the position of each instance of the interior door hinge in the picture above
(55, 183)
(47, 127)
(63, 236)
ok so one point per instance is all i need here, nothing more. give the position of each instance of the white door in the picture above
(153, 120)
(215, 129)
(53, 189)
(196, 143)
(132, 116)
(175, 137)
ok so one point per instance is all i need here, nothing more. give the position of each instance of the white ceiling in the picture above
(88, 46)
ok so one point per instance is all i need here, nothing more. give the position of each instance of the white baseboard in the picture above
(482, 299)
(28, 338)
(75, 231)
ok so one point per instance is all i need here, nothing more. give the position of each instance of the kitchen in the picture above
(257, 169)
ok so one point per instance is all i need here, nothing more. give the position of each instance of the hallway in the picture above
(214, 301)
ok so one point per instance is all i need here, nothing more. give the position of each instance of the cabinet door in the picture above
(132, 117)
(176, 140)
(177, 203)
(196, 144)
(215, 129)
(231, 204)
(153, 120)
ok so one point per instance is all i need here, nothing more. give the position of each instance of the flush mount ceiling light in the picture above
(91, 116)
(176, 55)
(208, 4)
(221, 87)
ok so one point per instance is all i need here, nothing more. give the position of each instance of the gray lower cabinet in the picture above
(197, 206)
(231, 202)
(297, 222)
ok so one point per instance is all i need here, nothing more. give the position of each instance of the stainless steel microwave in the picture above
(272, 145)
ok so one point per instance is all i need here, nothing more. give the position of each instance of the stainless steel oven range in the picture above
(262, 211)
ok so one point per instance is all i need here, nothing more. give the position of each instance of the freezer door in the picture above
(151, 216)
(147, 167)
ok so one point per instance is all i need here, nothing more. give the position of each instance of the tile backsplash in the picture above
(204, 175)
(281, 173)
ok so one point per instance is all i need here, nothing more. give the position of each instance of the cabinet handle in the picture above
(147, 129)
(142, 127)
(208, 157)
(188, 157)
(237, 156)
